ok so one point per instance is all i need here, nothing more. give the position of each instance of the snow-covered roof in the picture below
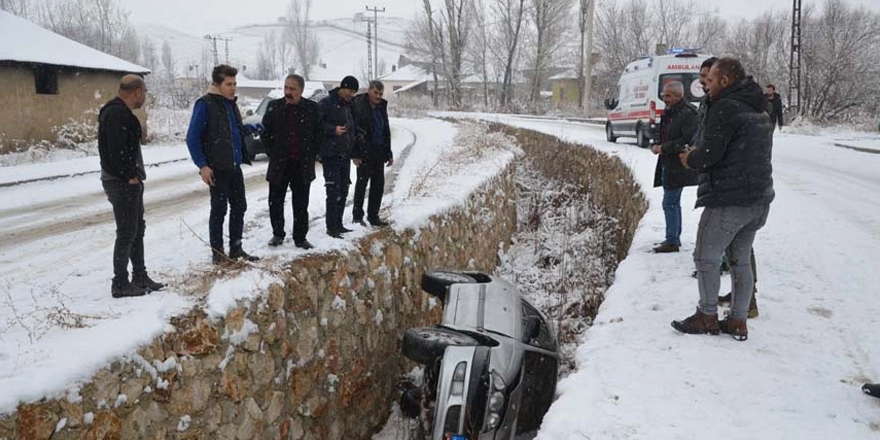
(243, 81)
(27, 42)
(411, 85)
(408, 73)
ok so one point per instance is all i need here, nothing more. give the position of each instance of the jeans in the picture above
(727, 230)
(228, 189)
(336, 181)
(128, 211)
(672, 211)
(299, 194)
(374, 174)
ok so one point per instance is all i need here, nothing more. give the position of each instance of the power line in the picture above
(213, 39)
(375, 10)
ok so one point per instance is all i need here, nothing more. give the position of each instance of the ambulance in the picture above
(637, 106)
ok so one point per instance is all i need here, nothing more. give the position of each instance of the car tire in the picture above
(436, 282)
(642, 140)
(609, 133)
(427, 344)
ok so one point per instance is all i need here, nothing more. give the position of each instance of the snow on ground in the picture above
(815, 342)
(58, 322)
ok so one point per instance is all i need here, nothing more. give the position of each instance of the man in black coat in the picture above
(340, 136)
(372, 153)
(122, 176)
(774, 105)
(735, 188)
(677, 127)
(292, 135)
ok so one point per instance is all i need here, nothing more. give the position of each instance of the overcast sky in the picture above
(198, 17)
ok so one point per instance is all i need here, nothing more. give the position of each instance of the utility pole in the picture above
(369, 47)
(588, 64)
(213, 39)
(794, 69)
(375, 10)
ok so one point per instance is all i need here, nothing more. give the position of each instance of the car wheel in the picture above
(436, 282)
(427, 344)
(609, 133)
(641, 138)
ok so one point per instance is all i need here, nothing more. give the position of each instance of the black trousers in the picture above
(336, 182)
(372, 173)
(128, 211)
(299, 194)
(228, 189)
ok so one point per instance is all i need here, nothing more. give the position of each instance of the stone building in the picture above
(49, 83)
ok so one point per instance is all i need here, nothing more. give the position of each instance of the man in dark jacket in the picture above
(372, 153)
(736, 188)
(292, 134)
(774, 105)
(216, 144)
(340, 132)
(677, 127)
(122, 176)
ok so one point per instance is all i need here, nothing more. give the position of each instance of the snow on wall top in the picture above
(27, 42)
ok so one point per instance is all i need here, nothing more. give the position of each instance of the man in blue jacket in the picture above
(341, 133)
(216, 144)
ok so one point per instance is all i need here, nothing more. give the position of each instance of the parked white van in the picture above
(637, 107)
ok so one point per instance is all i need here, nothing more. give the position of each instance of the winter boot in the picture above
(218, 257)
(237, 253)
(872, 389)
(736, 328)
(378, 222)
(698, 324)
(276, 241)
(142, 280)
(753, 306)
(666, 248)
(124, 289)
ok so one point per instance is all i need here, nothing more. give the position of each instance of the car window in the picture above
(545, 338)
(693, 90)
(261, 110)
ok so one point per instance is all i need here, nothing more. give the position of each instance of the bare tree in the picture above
(168, 62)
(21, 8)
(841, 53)
(266, 56)
(149, 56)
(479, 52)
(507, 35)
(305, 43)
(551, 26)
(674, 18)
(455, 16)
(101, 24)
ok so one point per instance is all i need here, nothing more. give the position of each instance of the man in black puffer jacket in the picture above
(736, 188)
(340, 136)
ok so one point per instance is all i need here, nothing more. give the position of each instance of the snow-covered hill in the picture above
(342, 41)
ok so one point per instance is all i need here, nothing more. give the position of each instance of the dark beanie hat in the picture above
(349, 82)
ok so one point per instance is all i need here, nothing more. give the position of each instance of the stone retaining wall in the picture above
(316, 357)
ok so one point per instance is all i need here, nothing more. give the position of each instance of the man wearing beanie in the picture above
(341, 134)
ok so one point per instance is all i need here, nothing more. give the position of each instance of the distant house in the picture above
(256, 89)
(48, 81)
(566, 88)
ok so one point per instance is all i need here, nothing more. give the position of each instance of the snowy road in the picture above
(816, 341)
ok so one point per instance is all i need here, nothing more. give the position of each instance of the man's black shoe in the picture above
(126, 289)
(871, 389)
(142, 280)
(378, 222)
(218, 257)
(666, 248)
(359, 221)
(343, 229)
(276, 241)
(335, 233)
(237, 253)
(303, 244)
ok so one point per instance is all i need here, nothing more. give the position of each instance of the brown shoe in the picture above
(736, 328)
(666, 248)
(698, 324)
